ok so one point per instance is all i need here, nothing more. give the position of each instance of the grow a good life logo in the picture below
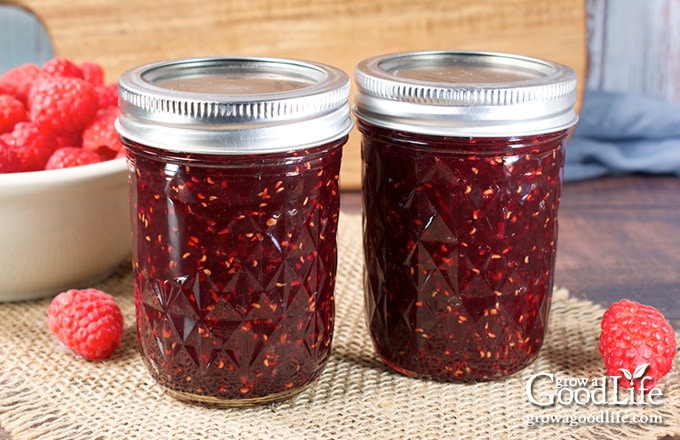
(597, 391)
(576, 401)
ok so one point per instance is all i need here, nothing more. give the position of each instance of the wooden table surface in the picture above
(619, 238)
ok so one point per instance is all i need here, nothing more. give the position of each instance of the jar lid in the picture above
(461, 93)
(233, 105)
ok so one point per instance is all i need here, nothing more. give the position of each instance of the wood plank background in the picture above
(124, 33)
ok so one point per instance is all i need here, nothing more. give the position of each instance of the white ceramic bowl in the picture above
(62, 229)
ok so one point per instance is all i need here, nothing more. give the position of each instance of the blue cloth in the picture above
(624, 133)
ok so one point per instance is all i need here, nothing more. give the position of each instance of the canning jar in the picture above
(462, 163)
(233, 169)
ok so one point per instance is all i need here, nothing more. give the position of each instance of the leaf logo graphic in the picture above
(637, 374)
(626, 373)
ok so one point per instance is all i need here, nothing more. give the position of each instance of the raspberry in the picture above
(18, 81)
(61, 67)
(12, 111)
(87, 321)
(636, 342)
(70, 140)
(67, 157)
(102, 133)
(62, 105)
(9, 162)
(107, 94)
(57, 106)
(93, 73)
(31, 147)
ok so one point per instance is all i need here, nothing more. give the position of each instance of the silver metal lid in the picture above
(465, 93)
(233, 105)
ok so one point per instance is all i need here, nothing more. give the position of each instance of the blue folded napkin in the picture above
(624, 133)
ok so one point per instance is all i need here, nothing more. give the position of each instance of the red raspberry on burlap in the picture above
(87, 321)
(637, 344)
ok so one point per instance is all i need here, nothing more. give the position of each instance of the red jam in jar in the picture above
(234, 207)
(462, 163)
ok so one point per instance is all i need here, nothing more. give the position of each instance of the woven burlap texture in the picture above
(46, 393)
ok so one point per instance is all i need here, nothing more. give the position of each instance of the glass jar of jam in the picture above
(233, 167)
(462, 163)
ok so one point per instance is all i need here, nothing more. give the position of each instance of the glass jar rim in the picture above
(465, 93)
(234, 105)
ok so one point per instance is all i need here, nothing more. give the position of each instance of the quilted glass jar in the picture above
(233, 166)
(462, 163)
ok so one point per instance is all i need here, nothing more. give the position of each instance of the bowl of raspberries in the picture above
(64, 210)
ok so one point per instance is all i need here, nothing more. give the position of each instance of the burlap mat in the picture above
(49, 394)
